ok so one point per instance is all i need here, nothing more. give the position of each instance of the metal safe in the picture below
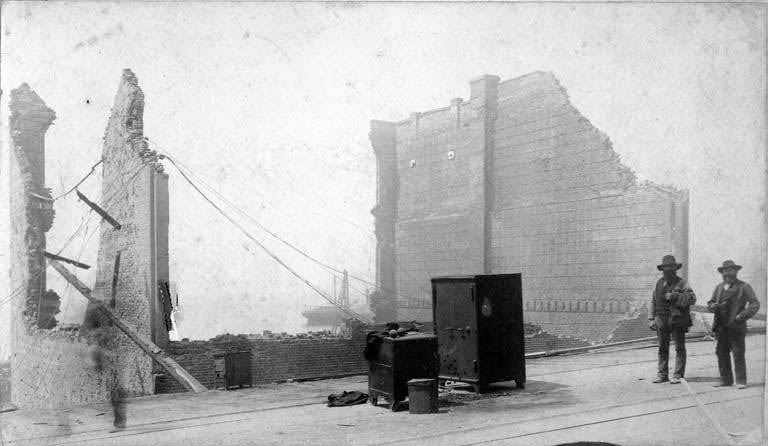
(479, 327)
(396, 362)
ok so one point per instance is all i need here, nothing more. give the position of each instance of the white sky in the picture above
(271, 104)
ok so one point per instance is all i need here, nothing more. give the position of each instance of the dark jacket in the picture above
(733, 309)
(673, 301)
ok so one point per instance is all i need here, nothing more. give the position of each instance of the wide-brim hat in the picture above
(728, 264)
(669, 260)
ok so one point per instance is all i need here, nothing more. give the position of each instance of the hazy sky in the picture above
(270, 103)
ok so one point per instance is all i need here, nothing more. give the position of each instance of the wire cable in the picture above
(83, 221)
(93, 168)
(411, 299)
(269, 252)
(412, 302)
(108, 202)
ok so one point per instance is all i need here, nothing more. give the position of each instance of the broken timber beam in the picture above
(64, 259)
(99, 211)
(170, 366)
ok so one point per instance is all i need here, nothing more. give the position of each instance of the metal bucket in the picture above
(422, 396)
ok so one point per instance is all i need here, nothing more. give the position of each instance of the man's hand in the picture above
(716, 307)
(652, 324)
(673, 296)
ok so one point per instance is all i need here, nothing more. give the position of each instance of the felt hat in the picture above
(728, 264)
(669, 260)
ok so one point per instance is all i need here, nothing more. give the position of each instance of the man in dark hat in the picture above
(733, 302)
(670, 317)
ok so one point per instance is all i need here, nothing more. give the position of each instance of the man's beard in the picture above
(670, 275)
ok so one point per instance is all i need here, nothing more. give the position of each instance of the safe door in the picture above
(456, 329)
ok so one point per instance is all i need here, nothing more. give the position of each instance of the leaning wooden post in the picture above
(170, 366)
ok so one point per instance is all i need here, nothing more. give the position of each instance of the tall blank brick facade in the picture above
(517, 180)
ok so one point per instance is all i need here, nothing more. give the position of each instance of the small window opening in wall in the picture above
(451, 154)
(413, 163)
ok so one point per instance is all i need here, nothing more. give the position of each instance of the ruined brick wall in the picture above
(533, 188)
(55, 367)
(571, 217)
(131, 181)
(271, 359)
(47, 367)
(436, 204)
(30, 118)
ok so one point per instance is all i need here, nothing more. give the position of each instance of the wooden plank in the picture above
(99, 211)
(168, 364)
(64, 259)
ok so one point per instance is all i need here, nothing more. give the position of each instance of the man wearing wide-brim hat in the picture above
(733, 302)
(670, 317)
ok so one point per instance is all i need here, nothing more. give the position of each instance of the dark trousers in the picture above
(665, 333)
(731, 340)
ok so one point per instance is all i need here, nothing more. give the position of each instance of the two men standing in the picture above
(733, 302)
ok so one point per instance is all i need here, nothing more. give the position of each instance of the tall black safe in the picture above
(479, 327)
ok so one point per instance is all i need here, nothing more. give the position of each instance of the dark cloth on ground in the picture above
(347, 399)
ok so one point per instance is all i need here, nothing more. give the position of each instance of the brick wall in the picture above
(55, 367)
(541, 341)
(570, 216)
(440, 196)
(532, 188)
(291, 357)
(633, 327)
(48, 367)
(279, 358)
(128, 180)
